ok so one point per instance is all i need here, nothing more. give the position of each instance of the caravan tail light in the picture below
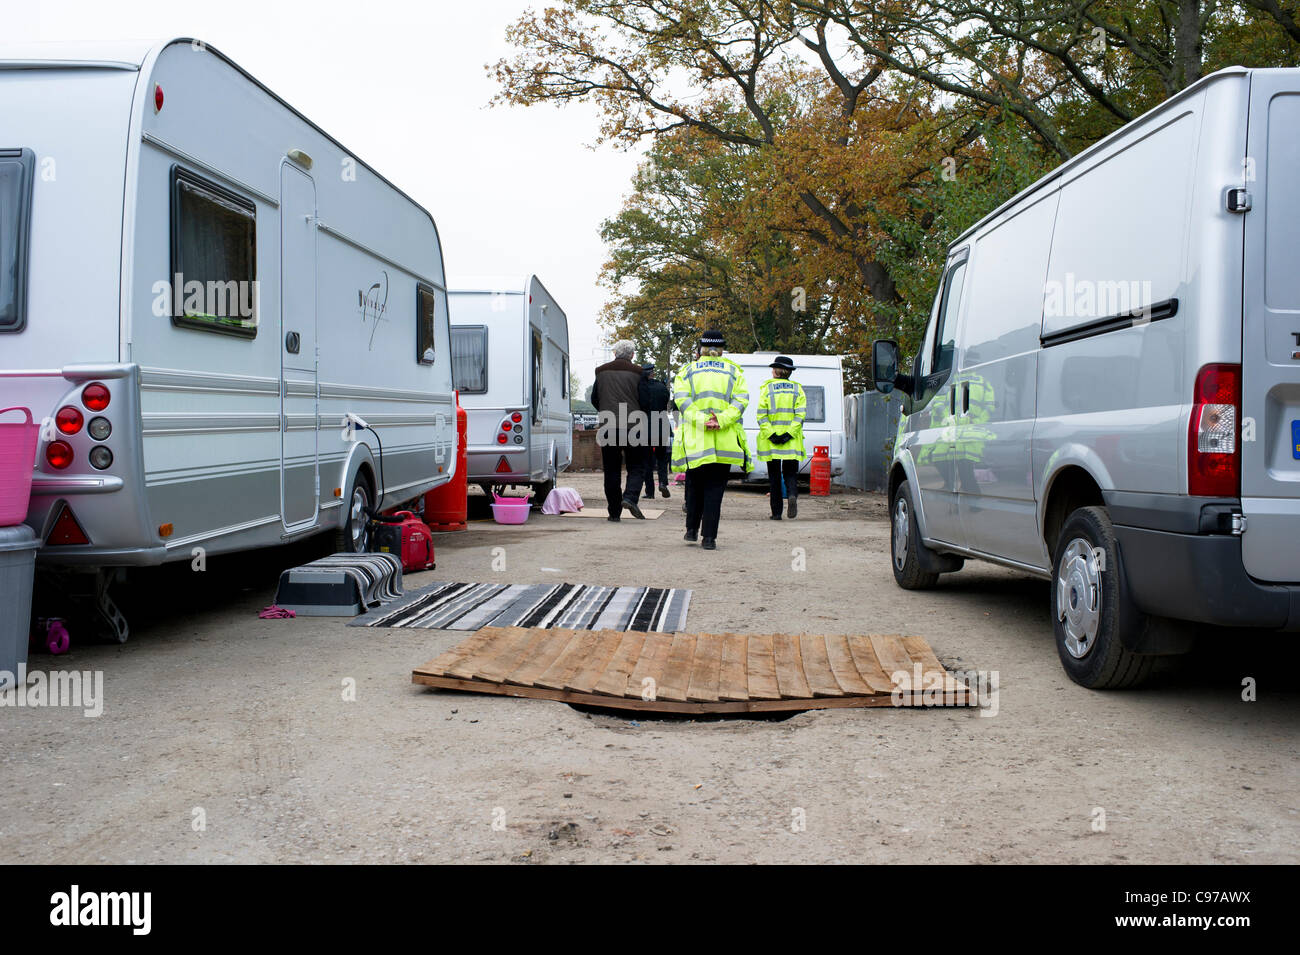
(505, 425)
(516, 417)
(68, 420)
(1214, 433)
(95, 396)
(58, 454)
(501, 438)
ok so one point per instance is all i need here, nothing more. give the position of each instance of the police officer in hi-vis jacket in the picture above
(781, 410)
(711, 395)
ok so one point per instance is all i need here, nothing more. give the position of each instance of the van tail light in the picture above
(1214, 433)
(66, 531)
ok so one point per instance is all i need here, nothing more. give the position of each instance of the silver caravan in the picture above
(1108, 392)
(510, 360)
(219, 312)
(822, 377)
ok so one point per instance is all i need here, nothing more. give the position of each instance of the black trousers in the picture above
(775, 470)
(656, 459)
(612, 457)
(705, 486)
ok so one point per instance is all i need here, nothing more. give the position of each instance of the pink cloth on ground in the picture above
(562, 499)
(274, 612)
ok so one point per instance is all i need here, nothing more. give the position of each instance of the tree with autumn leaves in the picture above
(810, 160)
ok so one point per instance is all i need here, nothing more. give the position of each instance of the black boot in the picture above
(691, 536)
(709, 544)
(792, 508)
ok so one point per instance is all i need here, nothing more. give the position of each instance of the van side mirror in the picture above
(884, 367)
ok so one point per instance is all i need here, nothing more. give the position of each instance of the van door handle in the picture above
(965, 397)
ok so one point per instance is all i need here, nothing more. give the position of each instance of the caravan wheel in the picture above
(354, 536)
(542, 489)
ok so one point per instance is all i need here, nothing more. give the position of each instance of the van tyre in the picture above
(1093, 615)
(906, 551)
(354, 536)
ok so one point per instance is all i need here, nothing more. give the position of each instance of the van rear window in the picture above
(815, 410)
(214, 257)
(16, 169)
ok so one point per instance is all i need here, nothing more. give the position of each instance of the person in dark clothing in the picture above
(654, 398)
(622, 430)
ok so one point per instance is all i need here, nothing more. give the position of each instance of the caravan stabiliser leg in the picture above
(108, 618)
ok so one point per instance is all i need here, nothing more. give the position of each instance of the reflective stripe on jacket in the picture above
(781, 409)
(710, 386)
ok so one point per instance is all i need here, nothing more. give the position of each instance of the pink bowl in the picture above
(511, 513)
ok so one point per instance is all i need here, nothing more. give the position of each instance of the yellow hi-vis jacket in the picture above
(781, 410)
(703, 387)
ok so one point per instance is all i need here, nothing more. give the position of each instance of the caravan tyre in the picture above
(353, 537)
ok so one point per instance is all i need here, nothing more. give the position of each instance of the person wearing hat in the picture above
(711, 396)
(781, 410)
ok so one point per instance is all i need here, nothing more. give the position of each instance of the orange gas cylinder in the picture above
(444, 507)
(819, 471)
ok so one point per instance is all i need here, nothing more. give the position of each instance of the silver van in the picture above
(1108, 391)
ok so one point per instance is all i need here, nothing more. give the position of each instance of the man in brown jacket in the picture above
(621, 431)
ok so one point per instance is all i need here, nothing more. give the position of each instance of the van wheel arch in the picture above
(1070, 489)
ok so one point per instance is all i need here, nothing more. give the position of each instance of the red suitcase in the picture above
(406, 536)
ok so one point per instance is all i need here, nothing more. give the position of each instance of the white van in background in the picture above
(1108, 392)
(510, 363)
(822, 377)
(197, 287)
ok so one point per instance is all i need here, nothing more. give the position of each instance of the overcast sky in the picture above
(402, 84)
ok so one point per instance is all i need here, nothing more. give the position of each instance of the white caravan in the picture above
(197, 287)
(822, 377)
(510, 362)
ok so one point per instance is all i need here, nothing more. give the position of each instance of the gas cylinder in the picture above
(819, 471)
(445, 507)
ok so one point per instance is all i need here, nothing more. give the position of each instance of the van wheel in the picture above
(1091, 609)
(905, 543)
(354, 536)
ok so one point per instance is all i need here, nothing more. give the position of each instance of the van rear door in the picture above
(1270, 338)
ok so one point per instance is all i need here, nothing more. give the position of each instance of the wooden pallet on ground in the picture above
(693, 673)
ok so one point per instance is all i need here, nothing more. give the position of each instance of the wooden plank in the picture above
(439, 664)
(677, 670)
(650, 665)
(507, 660)
(706, 670)
(789, 667)
(656, 706)
(892, 656)
(868, 667)
(539, 658)
(921, 653)
(733, 679)
(761, 668)
(496, 640)
(566, 666)
(593, 668)
(613, 682)
(817, 667)
(840, 659)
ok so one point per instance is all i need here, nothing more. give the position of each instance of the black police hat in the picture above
(782, 362)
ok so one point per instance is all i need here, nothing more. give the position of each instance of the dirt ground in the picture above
(225, 738)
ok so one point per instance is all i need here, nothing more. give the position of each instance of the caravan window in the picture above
(815, 410)
(426, 324)
(564, 377)
(16, 168)
(469, 346)
(214, 257)
(537, 377)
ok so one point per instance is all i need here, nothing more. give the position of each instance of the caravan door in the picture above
(299, 390)
(538, 439)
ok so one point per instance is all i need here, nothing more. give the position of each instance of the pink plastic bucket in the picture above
(17, 459)
(511, 513)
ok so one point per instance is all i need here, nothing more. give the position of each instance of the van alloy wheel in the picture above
(902, 525)
(1078, 597)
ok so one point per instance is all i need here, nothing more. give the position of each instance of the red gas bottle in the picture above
(445, 507)
(819, 471)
